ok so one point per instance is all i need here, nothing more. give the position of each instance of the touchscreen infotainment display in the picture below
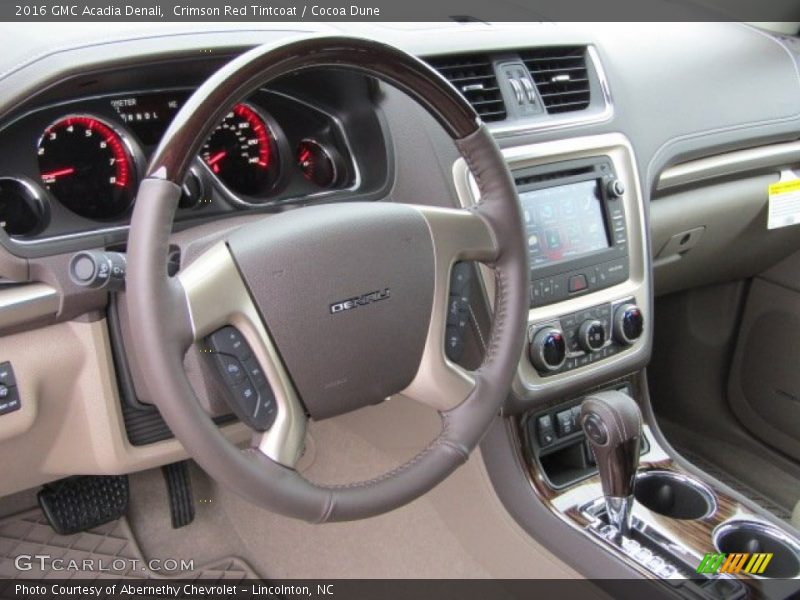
(564, 222)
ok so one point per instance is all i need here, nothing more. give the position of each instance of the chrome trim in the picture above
(217, 296)
(530, 93)
(730, 163)
(70, 236)
(688, 481)
(518, 93)
(626, 545)
(554, 123)
(761, 527)
(27, 302)
(539, 348)
(528, 384)
(617, 319)
(618, 510)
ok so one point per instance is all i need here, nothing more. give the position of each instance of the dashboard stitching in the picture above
(439, 440)
(477, 327)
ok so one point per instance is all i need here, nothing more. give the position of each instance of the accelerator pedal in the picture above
(179, 487)
(79, 503)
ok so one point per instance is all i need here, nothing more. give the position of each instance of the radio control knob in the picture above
(615, 188)
(548, 350)
(628, 324)
(592, 335)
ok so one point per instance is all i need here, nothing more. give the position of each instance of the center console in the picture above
(589, 285)
(589, 333)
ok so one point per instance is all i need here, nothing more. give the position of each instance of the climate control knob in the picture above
(592, 335)
(548, 349)
(628, 324)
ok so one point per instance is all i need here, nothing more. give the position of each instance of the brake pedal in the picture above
(179, 487)
(80, 503)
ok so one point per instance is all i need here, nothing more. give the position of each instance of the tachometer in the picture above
(88, 167)
(242, 152)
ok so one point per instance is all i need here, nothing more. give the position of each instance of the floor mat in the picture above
(108, 551)
(737, 485)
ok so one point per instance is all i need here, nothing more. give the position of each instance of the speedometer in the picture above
(88, 167)
(242, 152)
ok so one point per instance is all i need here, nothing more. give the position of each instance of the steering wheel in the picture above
(341, 305)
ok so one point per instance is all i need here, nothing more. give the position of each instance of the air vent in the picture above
(561, 76)
(474, 77)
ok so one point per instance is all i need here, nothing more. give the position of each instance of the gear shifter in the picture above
(612, 422)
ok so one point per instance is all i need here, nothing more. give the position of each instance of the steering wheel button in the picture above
(255, 373)
(7, 374)
(229, 340)
(231, 368)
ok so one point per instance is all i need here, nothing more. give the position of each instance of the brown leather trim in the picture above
(618, 456)
(208, 105)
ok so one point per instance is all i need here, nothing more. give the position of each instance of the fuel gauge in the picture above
(320, 165)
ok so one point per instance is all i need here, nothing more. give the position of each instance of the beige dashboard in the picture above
(70, 419)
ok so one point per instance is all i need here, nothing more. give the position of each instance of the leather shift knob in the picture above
(612, 422)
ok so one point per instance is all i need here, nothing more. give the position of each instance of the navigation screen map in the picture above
(563, 222)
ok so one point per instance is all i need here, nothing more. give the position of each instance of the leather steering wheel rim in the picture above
(168, 319)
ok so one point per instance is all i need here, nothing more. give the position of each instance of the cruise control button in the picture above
(458, 312)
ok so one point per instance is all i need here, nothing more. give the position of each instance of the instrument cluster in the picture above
(77, 170)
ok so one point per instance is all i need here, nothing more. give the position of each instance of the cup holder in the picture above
(753, 537)
(674, 495)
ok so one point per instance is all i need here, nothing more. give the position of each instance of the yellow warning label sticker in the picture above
(784, 203)
(783, 187)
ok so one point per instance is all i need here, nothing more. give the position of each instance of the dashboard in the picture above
(72, 167)
(617, 155)
(78, 126)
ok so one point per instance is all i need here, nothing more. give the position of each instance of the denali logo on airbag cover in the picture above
(361, 300)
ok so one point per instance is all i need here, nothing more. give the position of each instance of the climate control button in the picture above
(628, 324)
(548, 349)
(592, 335)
